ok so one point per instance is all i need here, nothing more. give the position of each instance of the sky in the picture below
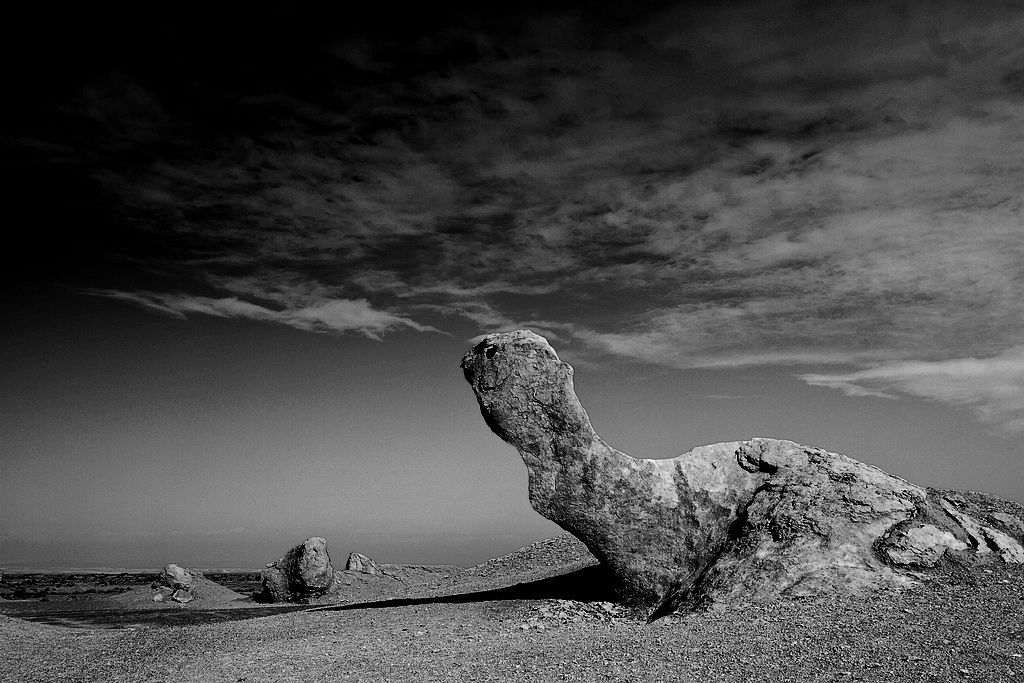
(245, 254)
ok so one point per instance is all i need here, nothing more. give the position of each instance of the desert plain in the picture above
(541, 613)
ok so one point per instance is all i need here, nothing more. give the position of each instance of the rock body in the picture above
(729, 522)
(304, 572)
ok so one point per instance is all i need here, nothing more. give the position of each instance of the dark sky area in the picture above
(246, 252)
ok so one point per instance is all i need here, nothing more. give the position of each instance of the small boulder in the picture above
(357, 562)
(183, 596)
(303, 573)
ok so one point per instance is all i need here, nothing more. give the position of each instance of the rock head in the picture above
(730, 522)
(303, 573)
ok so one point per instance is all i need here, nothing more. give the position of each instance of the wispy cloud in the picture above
(339, 315)
(106, 533)
(992, 387)
(217, 532)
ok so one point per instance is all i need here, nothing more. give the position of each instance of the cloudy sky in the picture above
(246, 253)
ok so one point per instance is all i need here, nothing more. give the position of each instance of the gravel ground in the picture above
(967, 627)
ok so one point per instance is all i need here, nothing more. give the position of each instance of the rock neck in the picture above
(527, 398)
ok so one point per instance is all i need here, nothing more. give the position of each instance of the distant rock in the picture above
(357, 562)
(303, 573)
(726, 523)
(174, 576)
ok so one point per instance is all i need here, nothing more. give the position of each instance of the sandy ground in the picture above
(967, 627)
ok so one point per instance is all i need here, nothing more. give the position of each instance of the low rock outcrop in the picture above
(175, 584)
(175, 587)
(305, 572)
(730, 522)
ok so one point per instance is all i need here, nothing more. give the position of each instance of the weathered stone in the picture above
(1008, 549)
(183, 596)
(922, 545)
(176, 577)
(1014, 524)
(984, 538)
(357, 562)
(975, 533)
(304, 572)
(729, 522)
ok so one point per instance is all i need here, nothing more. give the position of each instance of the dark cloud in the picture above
(695, 184)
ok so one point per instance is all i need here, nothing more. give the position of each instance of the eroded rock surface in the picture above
(921, 544)
(729, 522)
(303, 573)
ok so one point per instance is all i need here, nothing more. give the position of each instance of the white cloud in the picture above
(992, 387)
(341, 315)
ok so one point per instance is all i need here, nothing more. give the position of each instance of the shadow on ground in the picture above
(585, 585)
(590, 584)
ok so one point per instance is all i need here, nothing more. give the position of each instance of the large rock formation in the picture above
(729, 522)
(304, 572)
